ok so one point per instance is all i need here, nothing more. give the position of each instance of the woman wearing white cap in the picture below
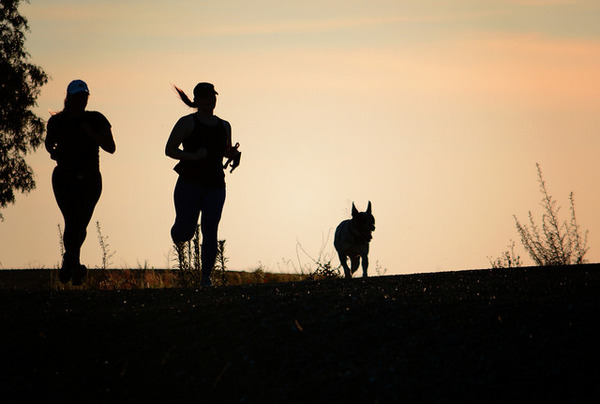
(205, 140)
(73, 139)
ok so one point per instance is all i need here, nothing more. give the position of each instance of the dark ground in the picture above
(492, 335)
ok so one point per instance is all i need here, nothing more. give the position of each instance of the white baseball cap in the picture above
(77, 86)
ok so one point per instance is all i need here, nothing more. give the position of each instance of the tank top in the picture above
(208, 171)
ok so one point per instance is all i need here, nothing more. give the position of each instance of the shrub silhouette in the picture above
(558, 243)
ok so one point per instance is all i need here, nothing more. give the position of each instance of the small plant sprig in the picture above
(221, 262)
(107, 254)
(322, 264)
(379, 270)
(188, 260)
(508, 259)
(61, 242)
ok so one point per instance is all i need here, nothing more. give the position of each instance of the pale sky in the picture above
(435, 111)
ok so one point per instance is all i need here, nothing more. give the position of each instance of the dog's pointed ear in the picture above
(369, 208)
(354, 210)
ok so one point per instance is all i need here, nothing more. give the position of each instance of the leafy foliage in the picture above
(558, 243)
(21, 131)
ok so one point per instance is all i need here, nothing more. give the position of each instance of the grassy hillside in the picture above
(490, 335)
(114, 279)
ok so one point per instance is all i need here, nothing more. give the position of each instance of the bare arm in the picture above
(232, 153)
(229, 151)
(181, 130)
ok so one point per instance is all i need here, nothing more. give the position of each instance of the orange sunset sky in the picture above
(435, 111)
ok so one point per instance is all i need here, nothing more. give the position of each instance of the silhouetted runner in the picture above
(73, 139)
(206, 140)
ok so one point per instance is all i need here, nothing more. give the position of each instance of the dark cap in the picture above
(77, 86)
(204, 89)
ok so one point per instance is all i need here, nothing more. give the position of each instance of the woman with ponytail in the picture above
(200, 141)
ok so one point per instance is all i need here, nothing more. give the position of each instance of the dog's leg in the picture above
(344, 262)
(365, 265)
(355, 262)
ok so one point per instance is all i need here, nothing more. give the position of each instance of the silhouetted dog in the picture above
(352, 239)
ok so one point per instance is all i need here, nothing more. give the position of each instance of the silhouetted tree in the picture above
(21, 131)
(558, 243)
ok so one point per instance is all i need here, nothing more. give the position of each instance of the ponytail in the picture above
(184, 97)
